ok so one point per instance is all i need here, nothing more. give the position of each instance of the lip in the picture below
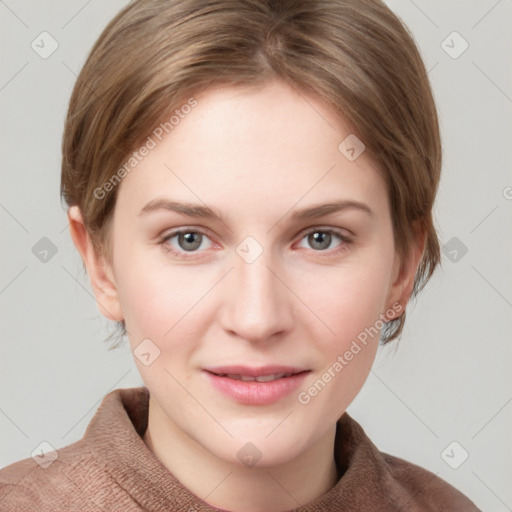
(253, 392)
(251, 371)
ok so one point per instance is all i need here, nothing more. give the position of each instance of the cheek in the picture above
(161, 301)
(158, 305)
(350, 304)
(148, 295)
(349, 299)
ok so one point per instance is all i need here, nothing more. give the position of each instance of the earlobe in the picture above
(99, 271)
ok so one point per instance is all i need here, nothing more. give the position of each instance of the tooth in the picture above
(261, 378)
(265, 378)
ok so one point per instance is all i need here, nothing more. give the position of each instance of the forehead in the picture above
(241, 145)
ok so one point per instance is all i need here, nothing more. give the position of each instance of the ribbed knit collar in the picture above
(114, 435)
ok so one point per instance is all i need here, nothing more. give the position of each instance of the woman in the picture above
(250, 186)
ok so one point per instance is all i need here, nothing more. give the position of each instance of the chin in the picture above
(255, 448)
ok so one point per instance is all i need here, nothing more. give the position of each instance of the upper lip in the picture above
(251, 371)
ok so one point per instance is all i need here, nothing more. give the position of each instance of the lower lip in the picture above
(257, 393)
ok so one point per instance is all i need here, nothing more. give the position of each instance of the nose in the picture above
(257, 306)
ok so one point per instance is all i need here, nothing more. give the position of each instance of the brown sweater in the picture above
(112, 469)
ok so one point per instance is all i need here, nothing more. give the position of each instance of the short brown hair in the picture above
(356, 55)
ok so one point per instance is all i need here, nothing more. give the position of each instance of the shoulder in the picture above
(57, 480)
(98, 472)
(425, 490)
(389, 482)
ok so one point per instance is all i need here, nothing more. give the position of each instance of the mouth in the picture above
(256, 386)
(260, 378)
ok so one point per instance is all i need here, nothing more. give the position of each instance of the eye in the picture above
(186, 241)
(324, 239)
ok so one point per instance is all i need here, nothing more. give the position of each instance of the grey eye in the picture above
(190, 241)
(320, 240)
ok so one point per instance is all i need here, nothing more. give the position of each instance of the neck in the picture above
(237, 488)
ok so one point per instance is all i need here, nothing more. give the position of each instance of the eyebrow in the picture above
(327, 208)
(189, 209)
(195, 210)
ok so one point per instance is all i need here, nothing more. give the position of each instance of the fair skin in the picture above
(255, 156)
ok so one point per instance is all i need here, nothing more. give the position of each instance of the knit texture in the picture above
(112, 469)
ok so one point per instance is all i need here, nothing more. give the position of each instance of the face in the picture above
(253, 274)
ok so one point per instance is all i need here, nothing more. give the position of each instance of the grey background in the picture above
(450, 378)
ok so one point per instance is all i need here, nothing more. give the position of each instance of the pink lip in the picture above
(254, 372)
(256, 393)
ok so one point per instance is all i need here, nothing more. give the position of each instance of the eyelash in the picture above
(345, 241)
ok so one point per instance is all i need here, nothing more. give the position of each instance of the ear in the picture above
(404, 273)
(100, 272)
